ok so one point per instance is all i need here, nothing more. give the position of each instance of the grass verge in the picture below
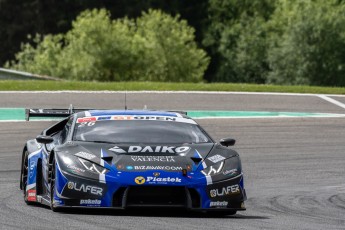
(30, 85)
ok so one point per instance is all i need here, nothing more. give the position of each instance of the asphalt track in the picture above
(294, 167)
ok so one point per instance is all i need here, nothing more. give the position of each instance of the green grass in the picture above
(6, 85)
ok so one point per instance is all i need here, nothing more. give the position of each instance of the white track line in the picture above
(167, 92)
(331, 100)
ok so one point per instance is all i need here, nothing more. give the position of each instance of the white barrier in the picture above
(8, 74)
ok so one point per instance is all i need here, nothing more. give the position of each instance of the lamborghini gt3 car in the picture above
(129, 159)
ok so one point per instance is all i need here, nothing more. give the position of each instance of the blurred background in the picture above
(285, 42)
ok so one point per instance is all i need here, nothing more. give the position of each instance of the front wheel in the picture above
(52, 186)
(24, 176)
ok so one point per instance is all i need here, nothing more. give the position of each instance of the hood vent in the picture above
(107, 159)
(196, 160)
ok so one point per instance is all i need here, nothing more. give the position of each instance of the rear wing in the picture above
(51, 113)
(56, 113)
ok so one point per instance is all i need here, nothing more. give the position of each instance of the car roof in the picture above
(135, 114)
(130, 112)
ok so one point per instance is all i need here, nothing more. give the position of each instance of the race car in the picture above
(122, 159)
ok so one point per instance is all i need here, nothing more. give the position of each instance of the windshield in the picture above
(151, 132)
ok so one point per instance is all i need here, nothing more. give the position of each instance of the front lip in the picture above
(116, 176)
(112, 186)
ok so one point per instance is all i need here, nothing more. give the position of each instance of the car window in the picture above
(65, 131)
(150, 132)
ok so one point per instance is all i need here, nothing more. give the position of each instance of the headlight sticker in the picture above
(213, 169)
(90, 166)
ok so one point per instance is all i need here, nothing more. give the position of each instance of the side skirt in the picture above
(45, 200)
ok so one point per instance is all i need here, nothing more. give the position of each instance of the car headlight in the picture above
(229, 167)
(213, 169)
(93, 167)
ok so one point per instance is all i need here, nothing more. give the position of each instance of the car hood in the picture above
(133, 157)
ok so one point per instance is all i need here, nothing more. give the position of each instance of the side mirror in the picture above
(44, 139)
(227, 142)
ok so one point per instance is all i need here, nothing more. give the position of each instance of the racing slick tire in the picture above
(24, 176)
(52, 187)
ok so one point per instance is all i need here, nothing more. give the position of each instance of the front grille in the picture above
(195, 198)
(119, 197)
(156, 196)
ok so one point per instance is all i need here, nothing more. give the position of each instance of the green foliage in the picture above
(277, 41)
(173, 53)
(40, 59)
(254, 41)
(236, 36)
(154, 47)
(19, 18)
(309, 47)
(20, 85)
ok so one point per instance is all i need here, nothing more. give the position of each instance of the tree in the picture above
(155, 47)
(172, 47)
(236, 40)
(19, 18)
(309, 46)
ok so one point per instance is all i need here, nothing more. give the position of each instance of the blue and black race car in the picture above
(129, 159)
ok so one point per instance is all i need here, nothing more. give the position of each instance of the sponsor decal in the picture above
(117, 150)
(75, 169)
(70, 185)
(92, 202)
(32, 168)
(134, 117)
(216, 158)
(230, 172)
(103, 118)
(85, 188)
(218, 203)
(151, 118)
(150, 167)
(156, 180)
(225, 191)
(162, 180)
(150, 149)
(85, 155)
(57, 202)
(153, 158)
(129, 167)
(86, 119)
(139, 180)
(124, 118)
(119, 166)
(156, 174)
(31, 195)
